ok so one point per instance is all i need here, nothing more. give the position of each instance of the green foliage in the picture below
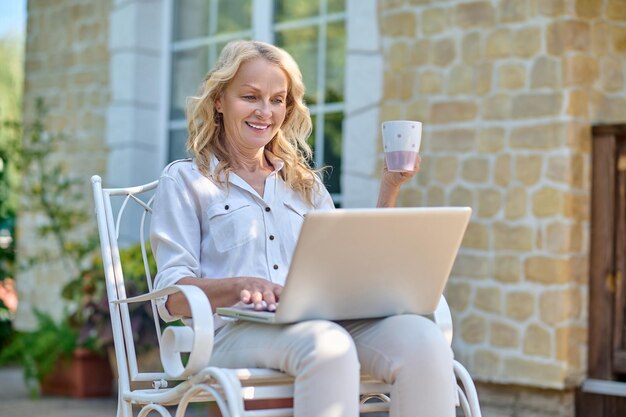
(11, 75)
(88, 327)
(37, 352)
(33, 173)
(49, 190)
(58, 200)
(6, 328)
(89, 290)
(46, 190)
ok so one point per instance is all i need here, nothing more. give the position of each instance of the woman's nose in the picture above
(263, 110)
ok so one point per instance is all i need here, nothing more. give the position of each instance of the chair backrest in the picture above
(128, 208)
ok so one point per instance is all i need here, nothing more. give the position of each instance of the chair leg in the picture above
(462, 402)
(469, 389)
(124, 408)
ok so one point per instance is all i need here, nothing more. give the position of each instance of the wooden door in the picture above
(619, 331)
(607, 269)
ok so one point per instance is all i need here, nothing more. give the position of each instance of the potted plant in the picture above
(72, 356)
(93, 320)
(52, 358)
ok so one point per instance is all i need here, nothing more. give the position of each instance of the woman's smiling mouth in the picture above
(257, 127)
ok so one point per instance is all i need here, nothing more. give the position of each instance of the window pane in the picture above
(302, 45)
(234, 15)
(177, 141)
(311, 139)
(295, 9)
(336, 6)
(188, 69)
(191, 19)
(335, 61)
(332, 150)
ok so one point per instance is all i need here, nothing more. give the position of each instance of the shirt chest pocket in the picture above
(232, 223)
(296, 212)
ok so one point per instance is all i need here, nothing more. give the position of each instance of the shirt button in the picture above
(271, 237)
(226, 207)
(275, 266)
(267, 209)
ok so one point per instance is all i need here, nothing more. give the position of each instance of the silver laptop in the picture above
(366, 263)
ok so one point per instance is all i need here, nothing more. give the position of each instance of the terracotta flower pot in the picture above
(85, 374)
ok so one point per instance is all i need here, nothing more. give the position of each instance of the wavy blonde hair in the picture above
(207, 136)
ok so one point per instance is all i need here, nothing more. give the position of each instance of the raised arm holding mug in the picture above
(228, 219)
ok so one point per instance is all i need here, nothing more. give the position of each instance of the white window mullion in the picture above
(262, 20)
(208, 40)
(166, 82)
(213, 17)
(321, 86)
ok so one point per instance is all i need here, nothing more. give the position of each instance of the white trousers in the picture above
(407, 351)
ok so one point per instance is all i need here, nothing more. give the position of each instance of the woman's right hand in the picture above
(258, 290)
(224, 292)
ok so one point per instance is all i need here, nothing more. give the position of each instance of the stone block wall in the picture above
(66, 64)
(507, 91)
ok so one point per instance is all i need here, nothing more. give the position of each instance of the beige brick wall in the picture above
(498, 401)
(508, 90)
(67, 64)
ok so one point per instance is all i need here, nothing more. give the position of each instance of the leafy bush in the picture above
(93, 320)
(37, 352)
(6, 328)
(59, 200)
(89, 327)
(9, 184)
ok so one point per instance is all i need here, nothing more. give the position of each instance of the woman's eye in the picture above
(279, 100)
(249, 98)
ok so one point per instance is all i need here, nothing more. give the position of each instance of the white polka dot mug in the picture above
(401, 142)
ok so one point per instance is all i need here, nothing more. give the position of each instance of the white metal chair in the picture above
(185, 350)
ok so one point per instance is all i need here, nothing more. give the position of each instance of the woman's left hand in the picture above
(396, 179)
(391, 182)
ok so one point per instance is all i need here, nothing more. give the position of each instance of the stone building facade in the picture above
(508, 91)
(67, 65)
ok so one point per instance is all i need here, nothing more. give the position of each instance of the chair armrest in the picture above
(197, 340)
(443, 319)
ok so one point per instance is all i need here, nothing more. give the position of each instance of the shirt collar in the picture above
(276, 162)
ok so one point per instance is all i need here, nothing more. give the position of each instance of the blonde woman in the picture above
(227, 221)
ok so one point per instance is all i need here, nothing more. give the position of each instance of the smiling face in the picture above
(253, 105)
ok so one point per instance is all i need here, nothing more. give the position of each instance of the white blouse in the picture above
(203, 230)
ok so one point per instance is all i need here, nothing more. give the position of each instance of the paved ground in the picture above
(16, 402)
